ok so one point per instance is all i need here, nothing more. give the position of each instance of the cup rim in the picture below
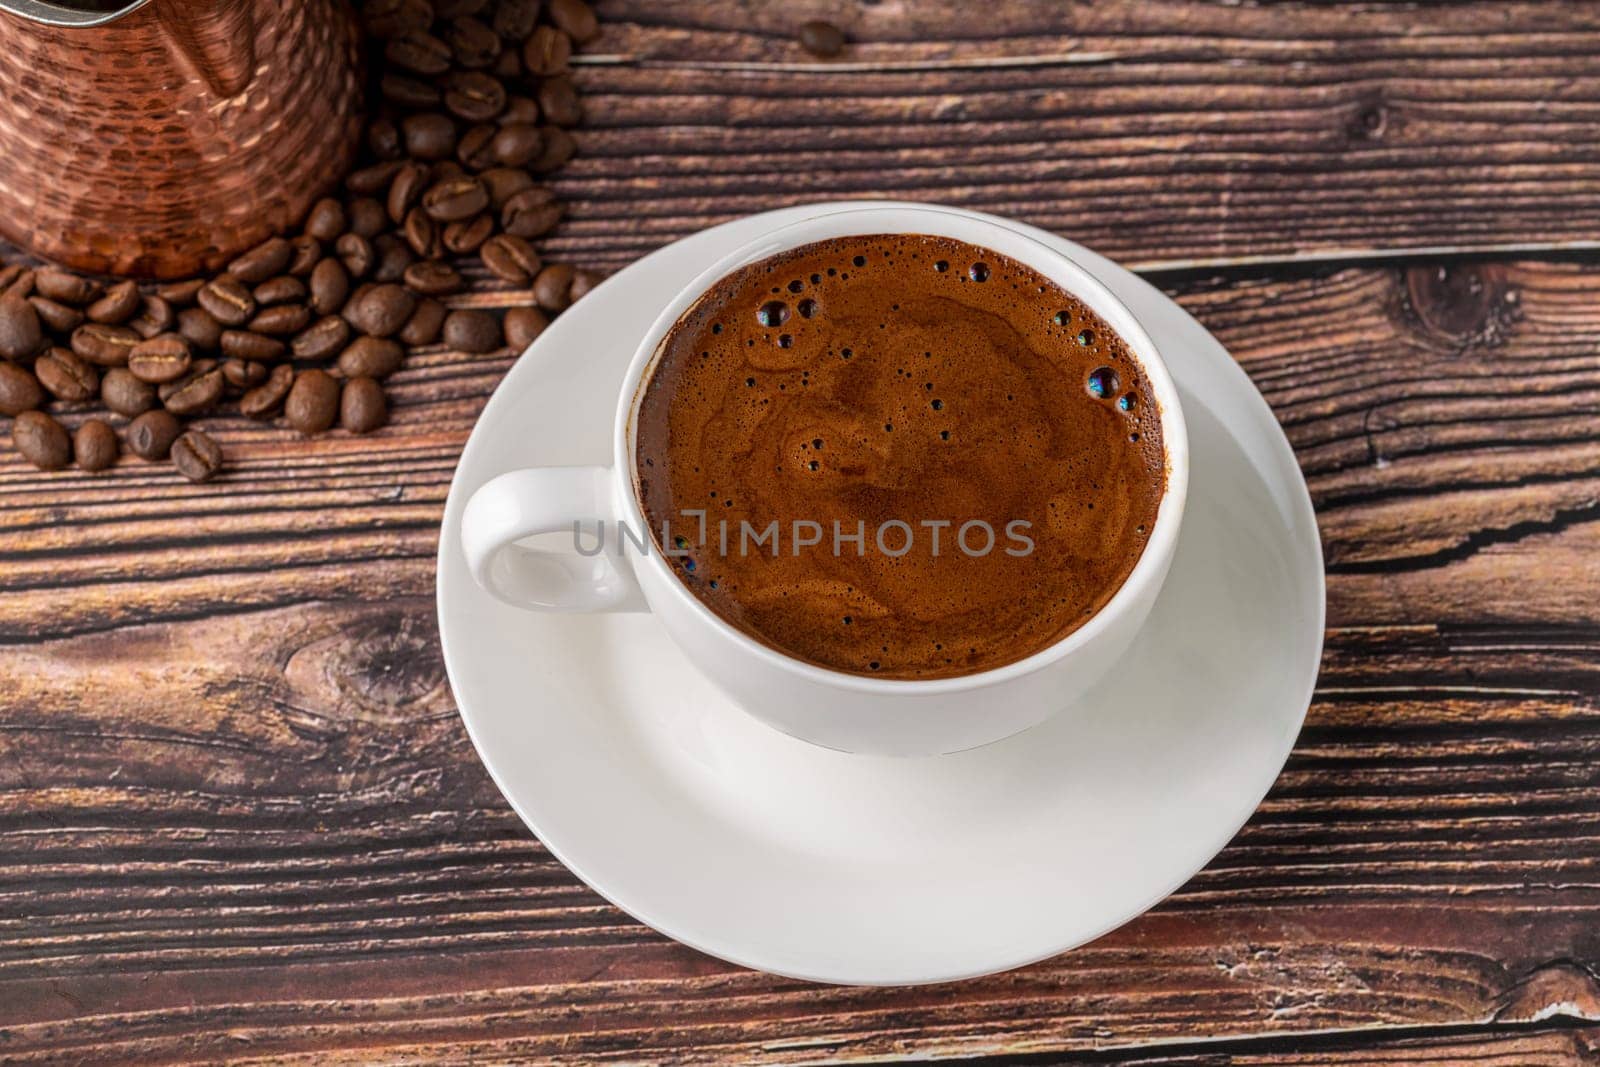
(971, 227)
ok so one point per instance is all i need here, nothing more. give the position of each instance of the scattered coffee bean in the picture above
(200, 329)
(382, 311)
(517, 144)
(433, 278)
(307, 253)
(227, 300)
(322, 339)
(265, 260)
(515, 19)
(552, 289)
(118, 305)
(466, 235)
(423, 327)
(285, 320)
(16, 280)
(265, 399)
(393, 257)
(367, 217)
(355, 252)
(472, 44)
(576, 18)
(19, 390)
(472, 330)
(370, 357)
(103, 345)
(421, 233)
(313, 402)
(558, 101)
(391, 18)
(408, 93)
(196, 393)
(475, 150)
(455, 199)
(511, 259)
(327, 219)
(60, 318)
(362, 407)
(429, 135)
(180, 294)
(95, 445)
(284, 289)
(20, 332)
(64, 287)
(330, 285)
(196, 456)
(582, 282)
(559, 147)
(502, 183)
(150, 436)
(473, 96)
(369, 181)
(163, 358)
(383, 140)
(155, 316)
(418, 52)
(531, 213)
(256, 347)
(520, 110)
(546, 51)
(407, 187)
(822, 39)
(42, 440)
(523, 325)
(126, 395)
(240, 375)
(508, 67)
(66, 375)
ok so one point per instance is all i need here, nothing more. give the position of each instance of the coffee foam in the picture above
(903, 377)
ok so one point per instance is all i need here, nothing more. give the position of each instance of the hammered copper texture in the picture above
(172, 139)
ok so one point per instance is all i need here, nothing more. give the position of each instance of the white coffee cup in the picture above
(842, 711)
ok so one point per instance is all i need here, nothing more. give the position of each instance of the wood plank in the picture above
(1162, 132)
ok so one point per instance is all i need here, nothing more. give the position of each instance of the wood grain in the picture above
(240, 821)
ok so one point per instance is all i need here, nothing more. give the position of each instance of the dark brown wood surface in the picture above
(240, 821)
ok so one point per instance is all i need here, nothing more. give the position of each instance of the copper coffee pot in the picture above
(157, 138)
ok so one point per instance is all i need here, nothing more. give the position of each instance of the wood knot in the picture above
(1559, 989)
(1367, 122)
(384, 667)
(1460, 303)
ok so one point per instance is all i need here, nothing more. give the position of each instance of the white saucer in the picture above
(769, 852)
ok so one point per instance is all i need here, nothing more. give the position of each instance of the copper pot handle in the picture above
(214, 39)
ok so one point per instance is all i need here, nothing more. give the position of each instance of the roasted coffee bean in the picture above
(433, 278)
(285, 320)
(163, 358)
(19, 390)
(447, 170)
(409, 93)
(95, 445)
(456, 198)
(391, 18)
(228, 301)
(418, 52)
(362, 407)
(369, 181)
(322, 338)
(473, 96)
(150, 436)
(429, 135)
(508, 67)
(307, 253)
(421, 234)
(327, 219)
(382, 312)
(820, 38)
(515, 19)
(196, 456)
(476, 148)
(454, 9)
(257, 347)
(546, 51)
(467, 235)
(358, 294)
(126, 395)
(383, 139)
(517, 144)
(370, 357)
(531, 213)
(265, 260)
(558, 101)
(155, 317)
(552, 289)
(523, 325)
(520, 109)
(103, 345)
(20, 331)
(16, 280)
(194, 394)
(59, 317)
(503, 183)
(240, 375)
(582, 282)
(200, 328)
(559, 147)
(511, 259)
(284, 289)
(407, 187)
(266, 398)
(472, 330)
(330, 282)
(355, 252)
(313, 401)
(422, 328)
(473, 45)
(67, 375)
(42, 440)
(64, 287)
(118, 305)
(180, 294)
(367, 217)
(576, 18)
(393, 257)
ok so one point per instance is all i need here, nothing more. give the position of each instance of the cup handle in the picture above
(546, 500)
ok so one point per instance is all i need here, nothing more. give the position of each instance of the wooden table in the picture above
(240, 819)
